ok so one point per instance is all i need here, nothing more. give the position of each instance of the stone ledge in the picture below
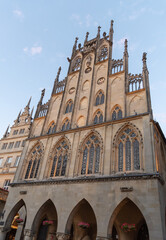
(141, 176)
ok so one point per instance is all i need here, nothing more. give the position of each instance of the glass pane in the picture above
(101, 118)
(68, 126)
(128, 155)
(114, 115)
(102, 98)
(63, 127)
(84, 161)
(28, 169)
(33, 169)
(119, 114)
(67, 108)
(64, 165)
(97, 161)
(120, 157)
(71, 107)
(97, 100)
(136, 155)
(53, 129)
(91, 157)
(96, 120)
(58, 165)
(53, 166)
(37, 168)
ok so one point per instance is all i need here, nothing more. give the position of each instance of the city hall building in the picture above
(94, 163)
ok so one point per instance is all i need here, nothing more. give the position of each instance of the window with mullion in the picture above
(91, 156)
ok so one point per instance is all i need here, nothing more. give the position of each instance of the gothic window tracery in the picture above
(52, 128)
(66, 125)
(128, 151)
(99, 98)
(69, 106)
(116, 113)
(91, 155)
(77, 64)
(59, 159)
(98, 117)
(34, 162)
(103, 54)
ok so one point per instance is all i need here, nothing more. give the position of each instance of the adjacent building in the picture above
(94, 163)
(11, 146)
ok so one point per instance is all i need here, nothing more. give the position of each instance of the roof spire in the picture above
(6, 132)
(86, 38)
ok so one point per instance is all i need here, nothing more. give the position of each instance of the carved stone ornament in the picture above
(72, 90)
(100, 80)
(88, 69)
(27, 232)
(62, 236)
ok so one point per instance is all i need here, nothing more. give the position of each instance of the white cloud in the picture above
(76, 18)
(18, 14)
(88, 20)
(33, 50)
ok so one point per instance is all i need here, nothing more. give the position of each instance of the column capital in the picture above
(62, 236)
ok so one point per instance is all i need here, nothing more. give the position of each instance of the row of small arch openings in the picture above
(83, 212)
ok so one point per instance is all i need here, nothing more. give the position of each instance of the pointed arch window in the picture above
(99, 98)
(66, 125)
(52, 128)
(103, 54)
(69, 106)
(59, 159)
(117, 113)
(34, 162)
(77, 64)
(98, 117)
(128, 150)
(91, 155)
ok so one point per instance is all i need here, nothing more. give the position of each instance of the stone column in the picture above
(27, 234)
(19, 231)
(2, 234)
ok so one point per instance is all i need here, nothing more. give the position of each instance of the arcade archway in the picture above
(128, 223)
(81, 223)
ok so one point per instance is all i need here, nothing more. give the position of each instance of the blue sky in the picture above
(37, 36)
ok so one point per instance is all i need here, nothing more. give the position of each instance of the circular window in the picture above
(71, 90)
(100, 80)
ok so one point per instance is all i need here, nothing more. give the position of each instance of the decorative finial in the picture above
(125, 47)
(29, 102)
(32, 112)
(79, 46)
(86, 38)
(111, 31)
(104, 35)
(42, 95)
(6, 132)
(58, 73)
(18, 117)
(98, 32)
(75, 46)
(144, 60)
